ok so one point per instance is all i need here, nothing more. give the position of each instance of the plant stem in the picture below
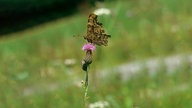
(86, 88)
(86, 79)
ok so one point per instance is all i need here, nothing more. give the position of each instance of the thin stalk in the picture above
(86, 88)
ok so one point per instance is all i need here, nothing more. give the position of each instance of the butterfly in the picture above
(95, 35)
(95, 32)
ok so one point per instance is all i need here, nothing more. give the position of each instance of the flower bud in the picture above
(87, 60)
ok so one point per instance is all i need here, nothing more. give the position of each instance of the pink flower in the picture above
(88, 46)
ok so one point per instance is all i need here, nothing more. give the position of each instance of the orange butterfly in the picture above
(95, 32)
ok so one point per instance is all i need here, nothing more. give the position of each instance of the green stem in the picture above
(86, 79)
(86, 88)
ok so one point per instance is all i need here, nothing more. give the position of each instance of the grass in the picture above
(33, 59)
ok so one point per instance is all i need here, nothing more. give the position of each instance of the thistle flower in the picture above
(88, 46)
(88, 58)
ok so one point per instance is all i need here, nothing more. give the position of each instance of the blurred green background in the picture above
(147, 63)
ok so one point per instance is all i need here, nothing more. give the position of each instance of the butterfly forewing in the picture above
(95, 31)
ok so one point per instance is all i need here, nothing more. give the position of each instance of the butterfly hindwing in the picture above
(95, 31)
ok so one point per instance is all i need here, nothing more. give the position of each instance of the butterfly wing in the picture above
(95, 32)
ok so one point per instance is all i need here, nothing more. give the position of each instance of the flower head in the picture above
(88, 46)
